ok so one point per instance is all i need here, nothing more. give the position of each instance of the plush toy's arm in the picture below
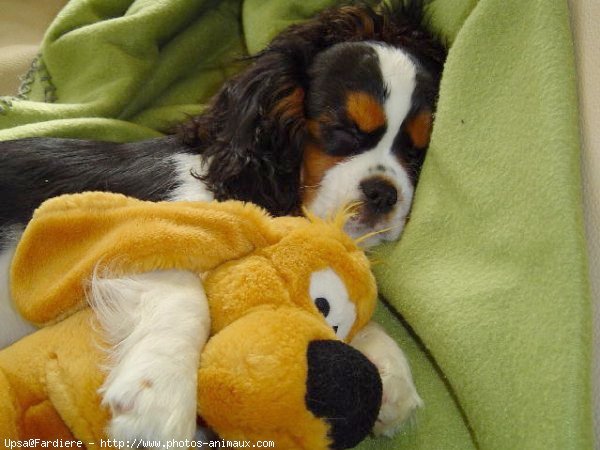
(70, 235)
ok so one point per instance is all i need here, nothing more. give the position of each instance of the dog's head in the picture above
(335, 110)
(369, 114)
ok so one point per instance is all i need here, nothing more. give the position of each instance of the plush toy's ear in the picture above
(279, 374)
(74, 234)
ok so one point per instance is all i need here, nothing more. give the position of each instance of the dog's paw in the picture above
(400, 398)
(155, 326)
(156, 408)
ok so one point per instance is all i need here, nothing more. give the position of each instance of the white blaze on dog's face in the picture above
(369, 110)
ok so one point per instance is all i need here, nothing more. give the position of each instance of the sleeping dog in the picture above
(335, 110)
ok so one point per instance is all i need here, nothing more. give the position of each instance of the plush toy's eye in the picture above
(322, 305)
(331, 298)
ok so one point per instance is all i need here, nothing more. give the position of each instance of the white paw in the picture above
(155, 326)
(400, 398)
(151, 407)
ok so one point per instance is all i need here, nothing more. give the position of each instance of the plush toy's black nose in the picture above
(380, 194)
(343, 388)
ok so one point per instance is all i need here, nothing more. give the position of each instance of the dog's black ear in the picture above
(252, 133)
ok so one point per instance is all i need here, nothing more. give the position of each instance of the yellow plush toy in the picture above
(274, 367)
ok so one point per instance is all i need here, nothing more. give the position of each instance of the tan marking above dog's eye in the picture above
(419, 128)
(365, 111)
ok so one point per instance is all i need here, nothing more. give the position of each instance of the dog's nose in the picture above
(380, 194)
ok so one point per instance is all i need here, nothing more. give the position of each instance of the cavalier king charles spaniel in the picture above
(334, 111)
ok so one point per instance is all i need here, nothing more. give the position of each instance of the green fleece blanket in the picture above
(486, 290)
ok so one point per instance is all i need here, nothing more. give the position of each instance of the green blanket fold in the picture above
(487, 289)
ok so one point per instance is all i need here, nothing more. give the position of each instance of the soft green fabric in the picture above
(147, 63)
(490, 272)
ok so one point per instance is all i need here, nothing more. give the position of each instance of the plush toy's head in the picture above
(275, 370)
(315, 266)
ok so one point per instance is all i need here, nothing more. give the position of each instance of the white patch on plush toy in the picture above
(331, 298)
(156, 325)
(400, 398)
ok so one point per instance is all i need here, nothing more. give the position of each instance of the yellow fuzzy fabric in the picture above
(69, 235)
(256, 271)
(49, 382)
(257, 347)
